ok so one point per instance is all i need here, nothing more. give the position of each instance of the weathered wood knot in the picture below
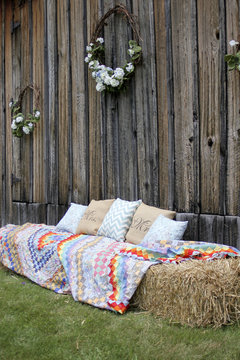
(210, 141)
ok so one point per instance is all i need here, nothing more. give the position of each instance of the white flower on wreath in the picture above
(10, 104)
(129, 67)
(119, 73)
(107, 80)
(101, 40)
(233, 43)
(37, 114)
(131, 52)
(30, 125)
(114, 82)
(26, 130)
(19, 119)
(100, 86)
(14, 125)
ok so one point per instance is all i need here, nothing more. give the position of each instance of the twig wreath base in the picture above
(24, 124)
(108, 79)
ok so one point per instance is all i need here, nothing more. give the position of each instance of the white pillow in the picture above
(70, 220)
(118, 219)
(163, 229)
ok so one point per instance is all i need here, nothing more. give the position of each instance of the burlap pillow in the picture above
(143, 218)
(93, 216)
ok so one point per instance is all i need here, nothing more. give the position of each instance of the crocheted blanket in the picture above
(97, 270)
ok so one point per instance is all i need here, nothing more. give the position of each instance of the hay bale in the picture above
(197, 293)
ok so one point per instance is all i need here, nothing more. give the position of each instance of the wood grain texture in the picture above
(25, 79)
(39, 148)
(210, 96)
(2, 119)
(79, 102)
(170, 107)
(64, 106)
(183, 37)
(172, 138)
(211, 228)
(16, 85)
(127, 121)
(52, 99)
(95, 136)
(233, 106)
(162, 101)
(146, 107)
(191, 232)
(8, 95)
(232, 231)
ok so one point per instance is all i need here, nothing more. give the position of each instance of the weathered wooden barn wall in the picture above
(172, 139)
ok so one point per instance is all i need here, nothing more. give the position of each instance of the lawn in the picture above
(36, 323)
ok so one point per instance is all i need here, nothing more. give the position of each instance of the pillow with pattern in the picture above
(71, 219)
(118, 219)
(143, 219)
(163, 229)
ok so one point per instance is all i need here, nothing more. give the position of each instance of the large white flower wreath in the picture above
(108, 79)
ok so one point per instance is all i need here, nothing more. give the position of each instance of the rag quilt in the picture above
(97, 270)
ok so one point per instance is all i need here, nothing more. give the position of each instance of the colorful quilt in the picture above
(97, 270)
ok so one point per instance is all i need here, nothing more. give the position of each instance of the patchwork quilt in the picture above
(95, 269)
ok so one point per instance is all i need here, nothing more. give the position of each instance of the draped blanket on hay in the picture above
(97, 270)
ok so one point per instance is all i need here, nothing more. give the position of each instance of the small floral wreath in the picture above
(233, 60)
(22, 124)
(108, 79)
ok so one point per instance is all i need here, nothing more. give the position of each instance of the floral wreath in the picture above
(233, 60)
(108, 79)
(22, 124)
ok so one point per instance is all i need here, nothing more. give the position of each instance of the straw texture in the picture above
(197, 293)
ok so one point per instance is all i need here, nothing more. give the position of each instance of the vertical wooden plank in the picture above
(111, 113)
(221, 35)
(64, 88)
(232, 231)
(211, 228)
(2, 117)
(146, 107)
(191, 232)
(183, 41)
(25, 79)
(210, 96)
(79, 102)
(162, 105)
(233, 91)
(170, 104)
(127, 130)
(16, 83)
(52, 70)
(96, 159)
(39, 151)
(8, 94)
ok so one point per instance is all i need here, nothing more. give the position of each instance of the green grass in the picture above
(36, 323)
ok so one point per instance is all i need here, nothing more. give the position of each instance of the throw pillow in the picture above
(163, 229)
(93, 216)
(143, 219)
(70, 220)
(117, 221)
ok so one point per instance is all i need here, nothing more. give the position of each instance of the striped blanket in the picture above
(96, 269)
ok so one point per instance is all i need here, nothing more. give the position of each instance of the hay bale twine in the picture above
(197, 293)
